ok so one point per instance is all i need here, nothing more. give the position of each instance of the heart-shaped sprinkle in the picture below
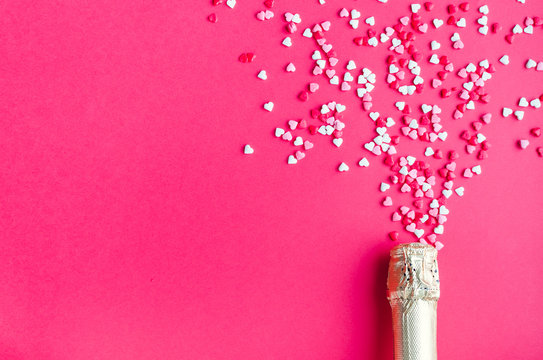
(387, 201)
(248, 149)
(292, 160)
(262, 75)
(343, 167)
(269, 106)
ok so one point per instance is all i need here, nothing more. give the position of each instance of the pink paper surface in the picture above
(133, 227)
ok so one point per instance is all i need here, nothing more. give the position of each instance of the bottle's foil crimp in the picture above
(413, 292)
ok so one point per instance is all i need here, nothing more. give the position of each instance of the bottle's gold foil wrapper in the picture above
(413, 291)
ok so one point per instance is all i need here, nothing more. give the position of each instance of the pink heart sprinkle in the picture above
(261, 16)
(287, 136)
(313, 87)
(468, 173)
(321, 41)
(404, 210)
(317, 70)
(326, 25)
(330, 73)
(308, 145)
(464, 94)
(448, 185)
(433, 212)
(367, 105)
(292, 124)
(463, 73)
(404, 20)
(431, 180)
(423, 28)
(300, 155)
(449, 67)
(458, 44)
(470, 149)
(430, 193)
(289, 17)
(411, 215)
(486, 118)
(436, 83)
(396, 217)
(333, 61)
(400, 75)
(411, 227)
(457, 114)
(539, 66)
(387, 201)
(326, 48)
(432, 238)
(451, 166)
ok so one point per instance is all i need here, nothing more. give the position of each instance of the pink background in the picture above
(133, 227)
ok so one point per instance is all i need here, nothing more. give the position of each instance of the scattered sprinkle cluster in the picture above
(407, 69)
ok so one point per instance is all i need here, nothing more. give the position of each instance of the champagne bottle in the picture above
(413, 292)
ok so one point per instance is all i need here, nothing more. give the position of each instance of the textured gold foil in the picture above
(413, 291)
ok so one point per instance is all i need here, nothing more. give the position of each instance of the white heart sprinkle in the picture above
(530, 64)
(292, 160)
(268, 106)
(437, 23)
(287, 41)
(343, 167)
(355, 14)
(505, 59)
(262, 75)
(384, 187)
(248, 149)
(429, 151)
(308, 33)
(364, 162)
